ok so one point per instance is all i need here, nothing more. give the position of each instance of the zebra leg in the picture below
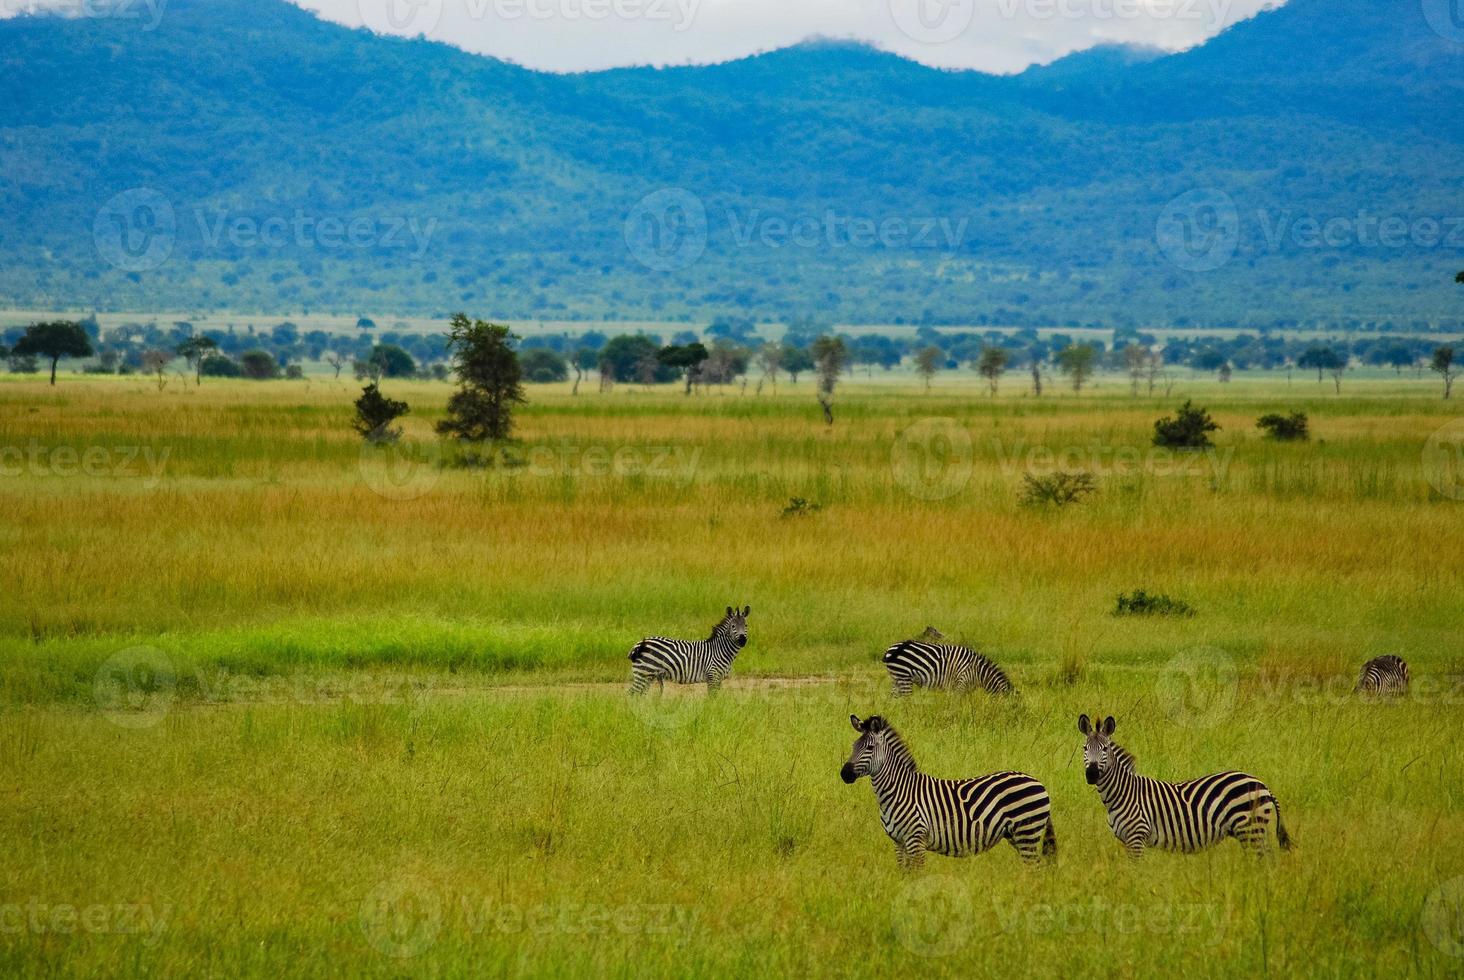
(915, 852)
(661, 686)
(714, 684)
(639, 683)
(1032, 841)
(1133, 841)
(902, 686)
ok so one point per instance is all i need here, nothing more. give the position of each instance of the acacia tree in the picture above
(58, 339)
(375, 414)
(927, 362)
(688, 359)
(336, 360)
(156, 362)
(830, 356)
(195, 350)
(990, 366)
(770, 359)
(1076, 361)
(490, 381)
(1135, 358)
(1443, 363)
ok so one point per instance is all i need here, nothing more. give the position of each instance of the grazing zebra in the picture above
(954, 817)
(1383, 675)
(1187, 816)
(709, 661)
(941, 666)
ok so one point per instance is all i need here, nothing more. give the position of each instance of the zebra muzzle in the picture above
(1092, 773)
(847, 774)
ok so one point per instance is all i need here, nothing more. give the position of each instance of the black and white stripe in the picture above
(709, 661)
(954, 817)
(944, 666)
(1383, 675)
(1185, 816)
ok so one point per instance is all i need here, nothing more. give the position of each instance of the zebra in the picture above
(941, 666)
(1383, 675)
(1187, 816)
(659, 659)
(954, 817)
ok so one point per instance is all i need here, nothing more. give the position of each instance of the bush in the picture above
(1189, 429)
(294, 372)
(799, 507)
(375, 413)
(259, 365)
(219, 366)
(1143, 604)
(1059, 489)
(542, 365)
(1284, 428)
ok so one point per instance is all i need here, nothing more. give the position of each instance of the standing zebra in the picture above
(1187, 816)
(954, 817)
(1383, 675)
(659, 659)
(942, 666)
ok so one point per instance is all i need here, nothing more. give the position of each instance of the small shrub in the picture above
(1189, 429)
(375, 414)
(1284, 428)
(1141, 603)
(1058, 489)
(799, 507)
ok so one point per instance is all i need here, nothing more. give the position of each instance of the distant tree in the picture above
(542, 365)
(375, 414)
(686, 358)
(259, 365)
(928, 361)
(1337, 370)
(156, 362)
(55, 340)
(1443, 364)
(392, 361)
(770, 359)
(1135, 361)
(1189, 429)
(991, 364)
(830, 357)
(336, 360)
(1076, 361)
(22, 364)
(1037, 377)
(195, 350)
(489, 381)
(623, 357)
(1320, 358)
(219, 366)
(1224, 373)
(795, 361)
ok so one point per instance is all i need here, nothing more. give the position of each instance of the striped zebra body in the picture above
(942, 666)
(1386, 675)
(661, 659)
(954, 817)
(1187, 816)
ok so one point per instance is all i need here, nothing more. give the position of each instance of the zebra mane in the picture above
(899, 751)
(1125, 758)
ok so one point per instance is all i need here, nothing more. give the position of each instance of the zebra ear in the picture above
(1109, 725)
(746, 610)
(729, 610)
(858, 725)
(1084, 725)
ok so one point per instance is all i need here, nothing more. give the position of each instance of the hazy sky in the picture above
(570, 35)
(993, 35)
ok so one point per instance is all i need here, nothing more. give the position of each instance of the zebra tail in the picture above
(1282, 837)
(1049, 842)
(637, 650)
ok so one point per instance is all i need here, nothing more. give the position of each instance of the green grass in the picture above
(248, 695)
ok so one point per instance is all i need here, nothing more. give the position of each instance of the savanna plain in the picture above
(274, 701)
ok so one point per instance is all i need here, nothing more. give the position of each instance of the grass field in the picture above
(272, 701)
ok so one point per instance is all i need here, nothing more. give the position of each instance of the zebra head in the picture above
(870, 748)
(734, 626)
(1100, 755)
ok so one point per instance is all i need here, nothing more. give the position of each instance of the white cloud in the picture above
(991, 35)
(573, 35)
